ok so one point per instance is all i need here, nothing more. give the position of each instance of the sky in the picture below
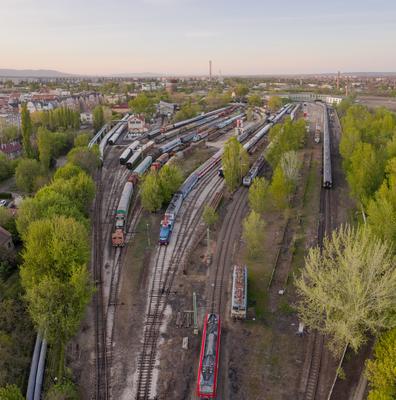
(180, 36)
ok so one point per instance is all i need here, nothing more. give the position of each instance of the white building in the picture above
(136, 124)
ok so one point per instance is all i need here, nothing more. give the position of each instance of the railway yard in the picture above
(141, 338)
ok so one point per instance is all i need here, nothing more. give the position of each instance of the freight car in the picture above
(154, 133)
(209, 358)
(118, 129)
(166, 148)
(160, 162)
(141, 168)
(139, 153)
(239, 292)
(118, 236)
(127, 153)
(327, 175)
(294, 112)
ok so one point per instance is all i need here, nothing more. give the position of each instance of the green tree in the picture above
(85, 158)
(348, 289)
(170, 179)
(44, 147)
(62, 391)
(235, 163)
(66, 172)
(142, 104)
(253, 233)
(46, 204)
(11, 392)
(381, 370)
(241, 90)
(290, 164)
(26, 126)
(210, 216)
(82, 140)
(365, 173)
(151, 193)
(55, 277)
(79, 189)
(258, 195)
(26, 174)
(280, 189)
(255, 100)
(8, 132)
(98, 117)
(274, 103)
(187, 111)
(7, 167)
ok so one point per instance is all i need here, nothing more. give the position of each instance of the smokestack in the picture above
(210, 70)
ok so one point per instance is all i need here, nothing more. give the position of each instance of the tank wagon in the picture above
(294, 112)
(118, 236)
(127, 153)
(118, 129)
(209, 358)
(257, 137)
(166, 148)
(160, 162)
(197, 118)
(138, 154)
(253, 171)
(141, 168)
(249, 146)
(247, 131)
(154, 133)
(327, 175)
(239, 292)
(229, 121)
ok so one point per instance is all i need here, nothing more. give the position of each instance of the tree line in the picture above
(348, 289)
(60, 119)
(54, 227)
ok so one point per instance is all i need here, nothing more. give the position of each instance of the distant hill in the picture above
(137, 75)
(32, 73)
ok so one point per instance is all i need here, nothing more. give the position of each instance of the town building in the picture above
(11, 150)
(136, 124)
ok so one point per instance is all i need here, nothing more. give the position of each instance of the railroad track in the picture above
(165, 269)
(228, 236)
(317, 344)
(105, 306)
(101, 377)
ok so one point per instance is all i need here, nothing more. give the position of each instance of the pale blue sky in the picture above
(180, 36)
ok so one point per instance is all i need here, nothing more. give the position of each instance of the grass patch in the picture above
(285, 308)
(191, 162)
(258, 277)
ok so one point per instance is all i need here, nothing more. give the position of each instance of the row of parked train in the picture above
(167, 223)
(139, 158)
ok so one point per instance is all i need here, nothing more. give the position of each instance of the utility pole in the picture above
(207, 241)
(195, 314)
(148, 235)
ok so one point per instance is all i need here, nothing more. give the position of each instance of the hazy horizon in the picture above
(178, 37)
